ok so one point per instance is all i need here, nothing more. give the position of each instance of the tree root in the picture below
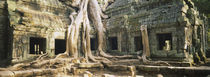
(103, 54)
(42, 56)
(148, 62)
(124, 56)
(98, 59)
(56, 62)
(62, 55)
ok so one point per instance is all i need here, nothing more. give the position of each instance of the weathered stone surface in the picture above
(176, 70)
(23, 73)
(29, 73)
(6, 74)
(90, 65)
(38, 72)
(49, 19)
(118, 67)
(37, 19)
(161, 17)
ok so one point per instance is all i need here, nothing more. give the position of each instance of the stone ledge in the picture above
(118, 67)
(6, 74)
(89, 65)
(177, 70)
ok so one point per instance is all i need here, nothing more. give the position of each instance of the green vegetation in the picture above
(204, 7)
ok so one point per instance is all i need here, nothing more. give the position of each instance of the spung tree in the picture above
(88, 10)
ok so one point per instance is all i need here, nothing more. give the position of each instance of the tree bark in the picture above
(73, 30)
(95, 14)
(146, 50)
(88, 9)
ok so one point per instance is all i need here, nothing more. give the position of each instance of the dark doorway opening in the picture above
(37, 45)
(165, 41)
(138, 43)
(93, 43)
(113, 43)
(60, 46)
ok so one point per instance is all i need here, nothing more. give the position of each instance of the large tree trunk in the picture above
(146, 50)
(95, 14)
(87, 9)
(145, 41)
(73, 30)
(86, 36)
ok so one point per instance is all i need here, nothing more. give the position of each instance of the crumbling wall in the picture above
(41, 19)
(159, 16)
(162, 17)
(195, 32)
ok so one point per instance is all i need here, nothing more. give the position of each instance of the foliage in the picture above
(204, 7)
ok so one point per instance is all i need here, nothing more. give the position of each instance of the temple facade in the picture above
(175, 28)
(38, 27)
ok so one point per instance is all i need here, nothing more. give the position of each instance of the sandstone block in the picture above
(6, 74)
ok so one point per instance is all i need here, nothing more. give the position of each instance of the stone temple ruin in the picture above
(176, 30)
(31, 28)
(173, 27)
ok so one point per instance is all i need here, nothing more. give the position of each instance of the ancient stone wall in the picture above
(165, 20)
(37, 24)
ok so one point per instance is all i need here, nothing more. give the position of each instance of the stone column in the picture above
(50, 47)
(119, 37)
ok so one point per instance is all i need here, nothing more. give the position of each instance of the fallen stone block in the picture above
(23, 73)
(38, 72)
(47, 71)
(89, 65)
(6, 74)
(118, 67)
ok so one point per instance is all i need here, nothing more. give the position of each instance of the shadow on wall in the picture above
(208, 53)
(6, 36)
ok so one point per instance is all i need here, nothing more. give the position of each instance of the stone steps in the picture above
(174, 70)
(89, 65)
(138, 62)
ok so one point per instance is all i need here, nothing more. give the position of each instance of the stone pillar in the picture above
(119, 41)
(50, 45)
(132, 45)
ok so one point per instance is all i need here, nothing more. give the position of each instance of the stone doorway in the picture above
(138, 43)
(164, 41)
(37, 45)
(60, 46)
(113, 44)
